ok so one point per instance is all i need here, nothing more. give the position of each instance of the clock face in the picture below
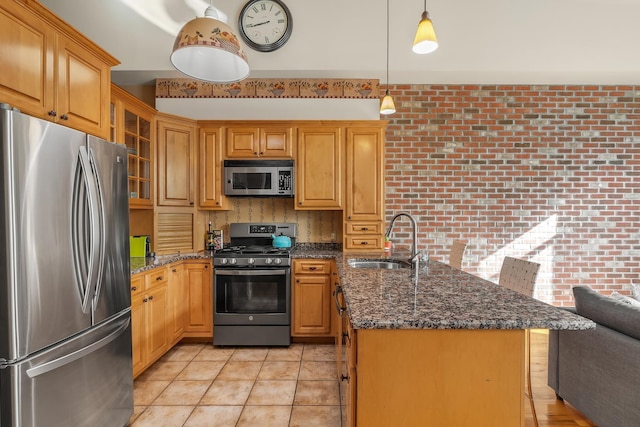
(265, 25)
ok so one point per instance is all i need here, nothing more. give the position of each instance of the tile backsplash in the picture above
(313, 226)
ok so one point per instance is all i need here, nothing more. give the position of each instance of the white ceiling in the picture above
(481, 41)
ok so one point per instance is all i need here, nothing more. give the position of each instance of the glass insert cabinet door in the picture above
(137, 138)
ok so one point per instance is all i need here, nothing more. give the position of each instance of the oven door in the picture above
(252, 296)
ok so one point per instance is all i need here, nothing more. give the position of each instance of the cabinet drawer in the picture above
(312, 266)
(364, 242)
(363, 227)
(137, 284)
(156, 277)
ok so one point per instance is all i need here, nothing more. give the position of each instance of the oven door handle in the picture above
(249, 272)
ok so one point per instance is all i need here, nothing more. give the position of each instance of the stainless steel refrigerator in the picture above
(65, 317)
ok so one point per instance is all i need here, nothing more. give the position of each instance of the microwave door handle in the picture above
(222, 272)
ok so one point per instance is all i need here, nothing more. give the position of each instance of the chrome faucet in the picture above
(414, 249)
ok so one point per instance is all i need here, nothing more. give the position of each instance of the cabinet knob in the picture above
(145, 300)
(261, 153)
(159, 278)
(255, 153)
(349, 217)
(64, 117)
(134, 288)
(52, 113)
(206, 267)
(151, 297)
(174, 270)
(297, 280)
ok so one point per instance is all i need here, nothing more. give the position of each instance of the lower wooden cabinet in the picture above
(311, 299)
(177, 302)
(149, 310)
(199, 313)
(167, 304)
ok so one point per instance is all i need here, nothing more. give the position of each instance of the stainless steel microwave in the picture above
(258, 178)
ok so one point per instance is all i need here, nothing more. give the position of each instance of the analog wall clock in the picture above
(265, 25)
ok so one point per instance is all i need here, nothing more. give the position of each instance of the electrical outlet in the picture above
(333, 236)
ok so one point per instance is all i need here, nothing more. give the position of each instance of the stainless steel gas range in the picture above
(252, 287)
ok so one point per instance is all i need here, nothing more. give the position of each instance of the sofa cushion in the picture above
(625, 299)
(607, 311)
(635, 290)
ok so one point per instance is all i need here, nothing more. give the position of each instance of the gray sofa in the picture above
(598, 371)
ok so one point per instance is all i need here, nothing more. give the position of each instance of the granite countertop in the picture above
(442, 298)
(139, 264)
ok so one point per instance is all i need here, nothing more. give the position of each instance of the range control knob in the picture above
(223, 261)
(251, 261)
(233, 261)
(268, 261)
(278, 261)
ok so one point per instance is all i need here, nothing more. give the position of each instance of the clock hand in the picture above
(258, 24)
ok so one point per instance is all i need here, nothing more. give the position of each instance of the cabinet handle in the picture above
(364, 243)
(151, 297)
(159, 278)
(134, 288)
(145, 300)
(174, 270)
(364, 229)
(312, 268)
(52, 113)
(64, 117)
(344, 377)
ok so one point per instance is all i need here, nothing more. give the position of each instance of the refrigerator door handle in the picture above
(99, 196)
(85, 229)
(72, 357)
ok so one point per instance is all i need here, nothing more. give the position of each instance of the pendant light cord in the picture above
(388, 46)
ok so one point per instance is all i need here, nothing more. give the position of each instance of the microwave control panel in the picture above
(285, 180)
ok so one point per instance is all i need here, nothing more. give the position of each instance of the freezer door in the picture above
(85, 381)
(41, 296)
(109, 166)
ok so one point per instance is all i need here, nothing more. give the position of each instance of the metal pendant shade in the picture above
(425, 40)
(207, 49)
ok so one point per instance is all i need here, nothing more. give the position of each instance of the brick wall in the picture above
(546, 173)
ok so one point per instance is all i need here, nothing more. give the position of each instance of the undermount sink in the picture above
(389, 264)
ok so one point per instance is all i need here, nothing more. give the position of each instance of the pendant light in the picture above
(207, 49)
(426, 40)
(387, 106)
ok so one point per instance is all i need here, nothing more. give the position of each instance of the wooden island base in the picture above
(446, 377)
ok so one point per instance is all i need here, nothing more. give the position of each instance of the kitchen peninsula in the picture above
(445, 349)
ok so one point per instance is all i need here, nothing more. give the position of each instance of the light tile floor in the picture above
(197, 385)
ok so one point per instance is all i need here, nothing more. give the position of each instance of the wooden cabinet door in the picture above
(138, 334)
(211, 180)
(365, 174)
(243, 142)
(276, 142)
(26, 60)
(177, 300)
(175, 161)
(157, 307)
(84, 83)
(319, 168)
(199, 316)
(312, 305)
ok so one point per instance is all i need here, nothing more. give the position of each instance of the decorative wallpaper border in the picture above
(269, 88)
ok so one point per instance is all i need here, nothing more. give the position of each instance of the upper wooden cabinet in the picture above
(259, 140)
(210, 168)
(51, 71)
(319, 168)
(364, 189)
(176, 160)
(132, 124)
